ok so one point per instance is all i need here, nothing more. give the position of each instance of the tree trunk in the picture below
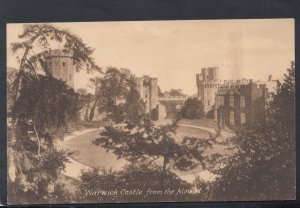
(164, 170)
(17, 94)
(86, 113)
(92, 113)
(39, 140)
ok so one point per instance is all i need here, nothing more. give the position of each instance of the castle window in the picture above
(208, 102)
(63, 63)
(70, 77)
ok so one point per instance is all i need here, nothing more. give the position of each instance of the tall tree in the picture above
(35, 40)
(263, 167)
(114, 89)
(149, 142)
(39, 161)
(96, 82)
(282, 107)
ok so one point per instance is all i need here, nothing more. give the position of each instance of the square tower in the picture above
(148, 89)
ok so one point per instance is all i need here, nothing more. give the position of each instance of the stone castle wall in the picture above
(60, 66)
(148, 89)
(208, 83)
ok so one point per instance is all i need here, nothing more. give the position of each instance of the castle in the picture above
(234, 102)
(60, 66)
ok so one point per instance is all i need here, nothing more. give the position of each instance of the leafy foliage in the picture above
(263, 167)
(43, 109)
(282, 108)
(132, 177)
(149, 142)
(192, 109)
(172, 108)
(175, 92)
(47, 102)
(41, 106)
(119, 98)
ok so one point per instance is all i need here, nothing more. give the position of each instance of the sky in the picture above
(175, 51)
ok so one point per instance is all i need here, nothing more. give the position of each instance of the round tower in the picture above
(60, 66)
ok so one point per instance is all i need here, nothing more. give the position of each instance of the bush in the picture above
(132, 177)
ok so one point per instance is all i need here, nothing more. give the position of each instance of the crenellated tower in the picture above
(148, 89)
(60, 66)
(207, 83)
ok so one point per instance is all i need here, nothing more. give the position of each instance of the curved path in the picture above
(74, 168)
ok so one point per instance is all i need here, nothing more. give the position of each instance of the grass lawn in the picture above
(86, 152)
(94, 156)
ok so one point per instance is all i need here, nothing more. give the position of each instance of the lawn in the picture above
(86, 152)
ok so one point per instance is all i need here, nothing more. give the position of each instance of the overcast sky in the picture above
(174, 51)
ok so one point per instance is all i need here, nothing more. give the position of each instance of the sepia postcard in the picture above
(151, 111)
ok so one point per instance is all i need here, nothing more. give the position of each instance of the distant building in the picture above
(208, 83)
(60, 66)
(243, 101)
(170, 103)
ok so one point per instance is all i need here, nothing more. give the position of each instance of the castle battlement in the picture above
(210, 82)
(57, 53)
(60, 65)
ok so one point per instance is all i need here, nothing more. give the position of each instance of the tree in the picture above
(263, 167)
(35, 41)
(96, 82)
(133, 107)
(139, 139)
(192, 109)
(176, 92)
(282, 107)
(149, 142)
(114, 87)
(82, 91)
(118, 96)
(40, 162)
(140, 177)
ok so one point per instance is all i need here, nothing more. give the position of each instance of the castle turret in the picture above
(148, 89)
(207, 83)
(60, 66)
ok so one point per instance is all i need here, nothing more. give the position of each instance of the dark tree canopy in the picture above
(41, 106)
(46, 101)
(131, 177)
(44, 107)
(192, 109)
(175, 92)
(263, 167)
